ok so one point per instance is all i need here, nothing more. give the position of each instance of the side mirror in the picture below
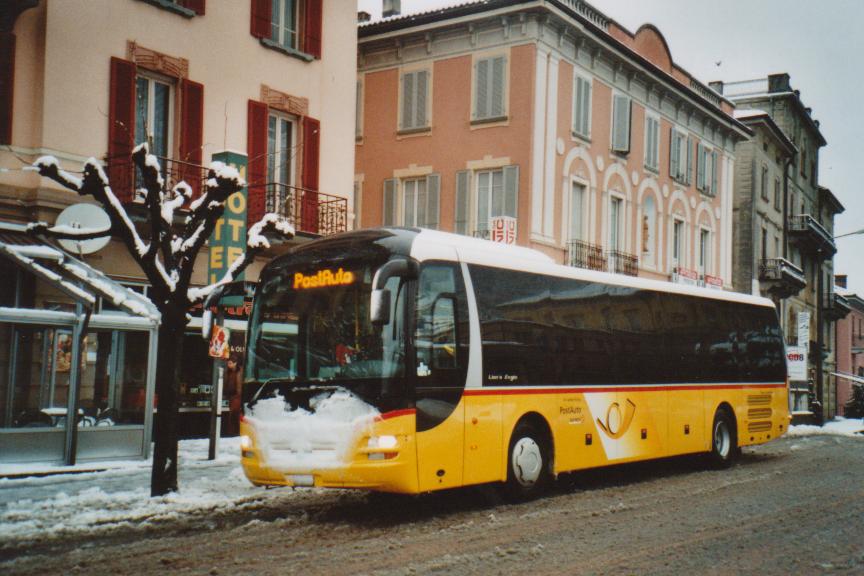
(379, 305)
(379, 308)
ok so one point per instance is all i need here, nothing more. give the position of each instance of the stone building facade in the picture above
(806, 244)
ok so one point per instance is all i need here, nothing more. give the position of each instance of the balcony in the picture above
(174, 172)
(582, 254)
(811, 236)
(781, 278)
(836, 306)
(622, 263)
(308, 211)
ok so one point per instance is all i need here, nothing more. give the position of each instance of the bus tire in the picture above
(528, 463)
(724, 440)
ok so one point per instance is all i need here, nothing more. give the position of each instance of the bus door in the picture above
(441, 345)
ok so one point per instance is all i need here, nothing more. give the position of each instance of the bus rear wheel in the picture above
(528, 463)
(724, 440)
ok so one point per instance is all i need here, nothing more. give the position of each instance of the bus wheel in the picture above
(724, 442)
(528, 463)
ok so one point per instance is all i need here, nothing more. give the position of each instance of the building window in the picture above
(577, 210)
(281, 137)
(704, 251)
(777, 194)
(358, 111)
(616, 214)
(652, 143)
(680, 157)
(415, 98)
(490, 88)
(582, 107)
(483, 195)
(764, 183)
(358, 203)
(154, 98)
(621, 110)
(706, 170)
(412, 201)
(677, 242)
(283, 23)
(290, 26)
(764, 244)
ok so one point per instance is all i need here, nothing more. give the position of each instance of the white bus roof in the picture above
(436, 245)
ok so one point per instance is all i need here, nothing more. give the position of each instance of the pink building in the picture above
(605, 153)
(850, 349)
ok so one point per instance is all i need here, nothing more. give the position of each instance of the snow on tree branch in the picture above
(256, 243)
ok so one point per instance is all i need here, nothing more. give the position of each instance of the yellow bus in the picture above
(408, 360)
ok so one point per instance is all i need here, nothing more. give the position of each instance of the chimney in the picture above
(778, 83)
(363, 17)
(716, 86)
(840, 281)
(391, 8)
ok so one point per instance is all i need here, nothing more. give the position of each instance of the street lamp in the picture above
(850, 234)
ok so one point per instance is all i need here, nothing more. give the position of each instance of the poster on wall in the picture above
(803, 328)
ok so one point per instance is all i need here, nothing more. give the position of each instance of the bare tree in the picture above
(167, 258)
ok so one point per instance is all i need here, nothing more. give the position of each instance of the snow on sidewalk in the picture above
(852, 427)
(40, 508)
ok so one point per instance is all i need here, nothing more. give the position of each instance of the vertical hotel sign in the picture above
(228, 240)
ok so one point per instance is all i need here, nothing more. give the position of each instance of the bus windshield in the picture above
(311, 326)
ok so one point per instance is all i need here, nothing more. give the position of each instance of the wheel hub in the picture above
(722, 440)
(527, 461)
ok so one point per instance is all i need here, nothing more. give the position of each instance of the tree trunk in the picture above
(164, 477)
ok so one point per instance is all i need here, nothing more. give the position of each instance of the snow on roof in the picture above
(408, 15)
(71, 275)
(749, 113)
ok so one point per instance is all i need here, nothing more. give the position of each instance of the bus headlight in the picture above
(382, 442)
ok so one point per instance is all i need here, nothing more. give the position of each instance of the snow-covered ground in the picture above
(41, 508)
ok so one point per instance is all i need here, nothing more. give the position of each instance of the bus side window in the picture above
(444, 332)
(439, 340)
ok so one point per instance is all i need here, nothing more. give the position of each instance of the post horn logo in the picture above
(615, 426)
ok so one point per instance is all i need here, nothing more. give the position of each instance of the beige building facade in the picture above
(548, 115)
(266, 84)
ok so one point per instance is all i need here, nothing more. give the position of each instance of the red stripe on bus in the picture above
(511, 392)
(396, 413)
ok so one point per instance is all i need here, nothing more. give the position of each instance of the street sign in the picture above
(228, 241)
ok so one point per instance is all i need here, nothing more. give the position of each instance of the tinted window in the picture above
(540, 330)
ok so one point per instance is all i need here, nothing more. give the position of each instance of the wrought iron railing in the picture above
(581, 254)
(622, 263)
(774, 269)
(173, 172)
(483, 233)
(307, 210)
(806, 223)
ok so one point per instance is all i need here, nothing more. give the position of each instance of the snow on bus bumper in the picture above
(381, 458)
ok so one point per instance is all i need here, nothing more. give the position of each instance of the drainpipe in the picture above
(786, 207)
(819, 336)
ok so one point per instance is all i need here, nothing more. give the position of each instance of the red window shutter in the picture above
(311, 147)
(196, 6)
(261, 17)
(191, 134)
(313, 28)
(7, 85)
(121, 128)
(256, 148)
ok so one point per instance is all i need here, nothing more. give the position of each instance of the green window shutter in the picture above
(481, 89)
(389, 217)
(700, 167)
(497, 103)
(688, 177)
(463, 200)
(433, 187)
(420, 101)
(674, 152)
(715, 160)
(407, 101)
(511, 190)
(621, 123)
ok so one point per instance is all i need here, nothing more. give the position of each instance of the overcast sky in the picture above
(818, 43)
